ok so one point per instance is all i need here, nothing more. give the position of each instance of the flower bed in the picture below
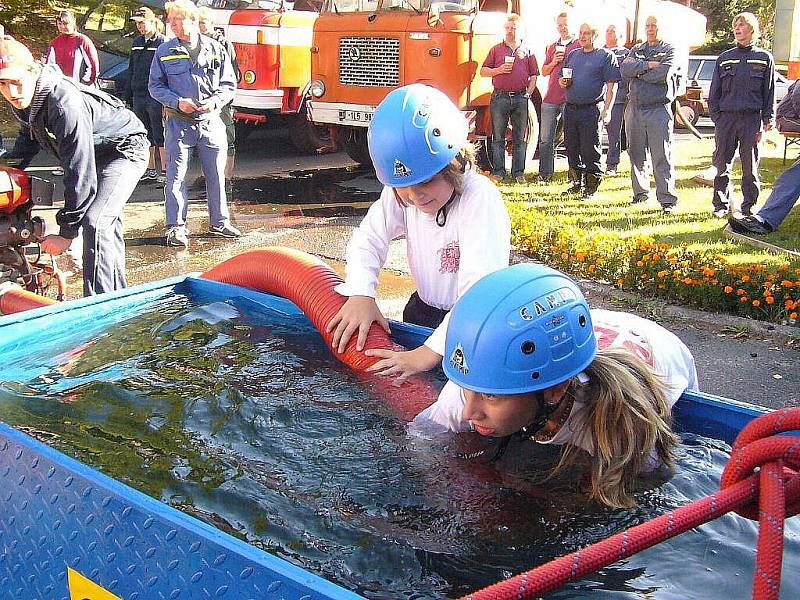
(638, 263)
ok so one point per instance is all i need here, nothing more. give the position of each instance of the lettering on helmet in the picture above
(401, 170)
(458, 361)
(546, 303)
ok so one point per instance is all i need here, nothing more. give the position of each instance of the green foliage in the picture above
(720, 13)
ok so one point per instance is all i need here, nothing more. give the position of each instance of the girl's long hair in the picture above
(627, 415)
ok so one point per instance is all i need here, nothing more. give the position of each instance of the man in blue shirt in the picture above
(192, 76)
(594, 80)
(741, 103)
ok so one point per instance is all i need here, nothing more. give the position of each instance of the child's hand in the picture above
(403, 364)
(357, 314)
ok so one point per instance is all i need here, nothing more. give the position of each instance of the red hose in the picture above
(308, 282)
(16, 300)
(777, 481)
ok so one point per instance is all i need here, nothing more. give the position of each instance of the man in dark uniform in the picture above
(742, 105)
(144, 105)
(614, 43)
(591, 82)
(101, 146)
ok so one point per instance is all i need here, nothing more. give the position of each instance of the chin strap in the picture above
(542, 416)
(441, 214)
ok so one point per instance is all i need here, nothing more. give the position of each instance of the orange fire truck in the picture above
(362, 49)
(272, 39)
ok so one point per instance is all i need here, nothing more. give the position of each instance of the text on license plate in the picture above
(355, 115)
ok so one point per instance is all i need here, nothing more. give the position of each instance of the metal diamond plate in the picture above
(56, 513)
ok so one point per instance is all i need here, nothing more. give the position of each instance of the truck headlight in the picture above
(317, 88)
(106, 84)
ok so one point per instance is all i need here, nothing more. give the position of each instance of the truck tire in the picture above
(484, 150)
(353, 140)
(307, 137)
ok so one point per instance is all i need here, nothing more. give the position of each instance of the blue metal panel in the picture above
(57, 513)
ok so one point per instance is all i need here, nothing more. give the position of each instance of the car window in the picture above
(706, 70)
(693, 64)
(779, 78)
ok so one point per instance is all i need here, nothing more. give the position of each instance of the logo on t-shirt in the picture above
(458, 361)
(449, 258)
(401, 170)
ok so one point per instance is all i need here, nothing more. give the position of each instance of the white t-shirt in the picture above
(658, 347)
(444, 261)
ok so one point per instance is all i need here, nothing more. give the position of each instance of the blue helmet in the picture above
(415, 133)
(521, 329)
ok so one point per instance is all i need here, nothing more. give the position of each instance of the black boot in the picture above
(576, 180)
(592, 183)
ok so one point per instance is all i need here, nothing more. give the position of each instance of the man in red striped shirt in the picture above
(72, 51)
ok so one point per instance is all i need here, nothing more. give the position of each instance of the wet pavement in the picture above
(312, 203)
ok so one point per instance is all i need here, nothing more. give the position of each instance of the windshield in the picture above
(418, 6)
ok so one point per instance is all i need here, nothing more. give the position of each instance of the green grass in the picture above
(691, 226)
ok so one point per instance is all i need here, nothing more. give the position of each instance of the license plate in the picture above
(357, 116)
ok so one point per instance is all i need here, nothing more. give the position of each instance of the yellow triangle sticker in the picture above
(81, 588)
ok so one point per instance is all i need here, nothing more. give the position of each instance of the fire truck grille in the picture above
(369, 61)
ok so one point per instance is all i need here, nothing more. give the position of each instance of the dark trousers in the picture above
(614, 131)
(732, 130)
(103, 241)
(420, 313)
(502, 108)
(582, 138)
(150, 114)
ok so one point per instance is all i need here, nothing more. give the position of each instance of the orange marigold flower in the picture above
(639, 263)
(786, 283)
(687, 280)
(740, 292)
(644, 275)
(770, 300)
(743, 299)
(728, 289)
(564, 256)
(745, 278)
(620, 282)
(756, 303)
(793, 316)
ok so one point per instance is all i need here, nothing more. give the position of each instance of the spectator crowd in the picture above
(183, 80)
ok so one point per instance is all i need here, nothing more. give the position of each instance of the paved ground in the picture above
(312, 203)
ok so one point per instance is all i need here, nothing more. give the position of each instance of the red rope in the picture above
(776, 484)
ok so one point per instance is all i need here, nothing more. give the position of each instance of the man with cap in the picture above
(192, 76)
(101, 146)
(144, 105)
(72, 51)
(741, 102)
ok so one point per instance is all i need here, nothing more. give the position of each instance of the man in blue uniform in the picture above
(192, 76)
(654, 80)
(139, 99)
(742, 105)
(614, 39)
(593, 81)
(101, 146)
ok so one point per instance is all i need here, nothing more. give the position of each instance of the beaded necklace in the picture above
(554, 425)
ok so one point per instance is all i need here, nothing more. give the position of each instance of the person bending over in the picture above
(527, 360)
(455, 224)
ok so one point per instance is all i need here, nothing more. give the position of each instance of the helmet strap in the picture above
(542, 416)
(441, 214)
(462, 162)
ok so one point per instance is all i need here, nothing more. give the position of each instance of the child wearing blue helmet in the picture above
(527, 359)
(454, 220)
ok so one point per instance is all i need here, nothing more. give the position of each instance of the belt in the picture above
(517, 93)
(573, 105)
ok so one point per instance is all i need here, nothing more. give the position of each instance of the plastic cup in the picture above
(509, 60)
(566, 73)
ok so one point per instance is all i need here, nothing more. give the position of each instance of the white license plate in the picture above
(355, 116)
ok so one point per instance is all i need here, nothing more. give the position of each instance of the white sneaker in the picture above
(176, 236)
(225, 230)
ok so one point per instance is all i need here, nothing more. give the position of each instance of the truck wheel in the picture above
(353, 140)
(305, 135)
(243, 130)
